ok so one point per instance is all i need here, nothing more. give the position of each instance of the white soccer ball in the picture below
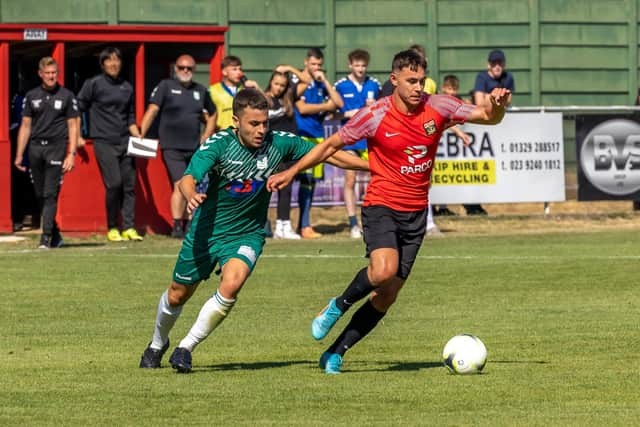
(464, 354)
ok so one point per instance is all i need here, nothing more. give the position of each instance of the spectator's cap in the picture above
(497, 56)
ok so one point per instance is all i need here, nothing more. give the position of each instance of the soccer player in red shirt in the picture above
(402, 132)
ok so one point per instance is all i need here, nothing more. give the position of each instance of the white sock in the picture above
(213, 312)
(430, 223)
(165, 319)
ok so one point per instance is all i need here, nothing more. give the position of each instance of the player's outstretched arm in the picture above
(491, 113)
(187, 186)
(317, 155)
(343, 160)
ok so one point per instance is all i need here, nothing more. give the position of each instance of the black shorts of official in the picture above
(384, 227)
(176, 162)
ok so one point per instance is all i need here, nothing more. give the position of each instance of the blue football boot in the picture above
(325, 320)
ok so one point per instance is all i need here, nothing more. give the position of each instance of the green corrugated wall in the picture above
(562, 52)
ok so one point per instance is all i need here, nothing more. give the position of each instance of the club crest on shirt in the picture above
(57, 104)
(196, 96)
(429, 127)
(262, 162)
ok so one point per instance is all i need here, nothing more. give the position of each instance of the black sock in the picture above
(359, 288)
(177, 224)
(362, 322)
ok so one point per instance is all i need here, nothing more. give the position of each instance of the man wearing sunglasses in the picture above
(183, 104)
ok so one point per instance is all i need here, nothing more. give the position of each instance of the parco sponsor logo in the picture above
(414, 153)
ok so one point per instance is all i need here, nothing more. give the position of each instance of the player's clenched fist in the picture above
(500, 96)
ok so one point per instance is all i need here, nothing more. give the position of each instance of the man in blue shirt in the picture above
(313, 101)
(357, 90)
(495, 76)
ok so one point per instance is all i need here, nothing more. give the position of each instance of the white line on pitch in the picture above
(324, 256)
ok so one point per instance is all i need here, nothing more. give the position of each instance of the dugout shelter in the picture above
(149, 53)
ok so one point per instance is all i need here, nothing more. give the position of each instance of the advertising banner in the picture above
(519, 160)
(329, 191)
(608, 157)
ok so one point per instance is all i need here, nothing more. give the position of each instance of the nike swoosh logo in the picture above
(389, 135)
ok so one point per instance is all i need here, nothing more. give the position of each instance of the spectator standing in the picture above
(496, 76)
(315, 98)
(108, 99)
(222, 93)
(183, 105)
(23, 198)
(450, 86)
(50, 126)
(281, 118)
(357, 90)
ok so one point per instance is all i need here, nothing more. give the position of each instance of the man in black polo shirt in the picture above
(183, 104)
(49, 122)
(108, 99)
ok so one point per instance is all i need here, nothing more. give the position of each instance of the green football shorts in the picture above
(197, 260)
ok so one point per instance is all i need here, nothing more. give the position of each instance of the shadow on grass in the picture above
(351, 366)
(252, 366)
(331, 229)
(393, 366)
(82, 245)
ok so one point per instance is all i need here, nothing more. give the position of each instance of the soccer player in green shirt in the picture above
(228, 221)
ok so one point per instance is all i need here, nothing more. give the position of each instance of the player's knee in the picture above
(382, 275)
(178, 294)
(230, 286)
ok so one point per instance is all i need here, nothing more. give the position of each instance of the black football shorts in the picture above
(384, 227)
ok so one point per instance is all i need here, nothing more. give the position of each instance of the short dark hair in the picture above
(249, 98)
(451, 80)
(408, 59)
(230, 60)
(359, 55)
(107, 52)
(315, 52)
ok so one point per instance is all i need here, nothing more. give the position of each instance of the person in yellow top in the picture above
(430, 85)
(222, 93)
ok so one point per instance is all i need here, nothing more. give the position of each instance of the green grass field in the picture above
(557, 312)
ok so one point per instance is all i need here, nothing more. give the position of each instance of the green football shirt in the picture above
(237, 198)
